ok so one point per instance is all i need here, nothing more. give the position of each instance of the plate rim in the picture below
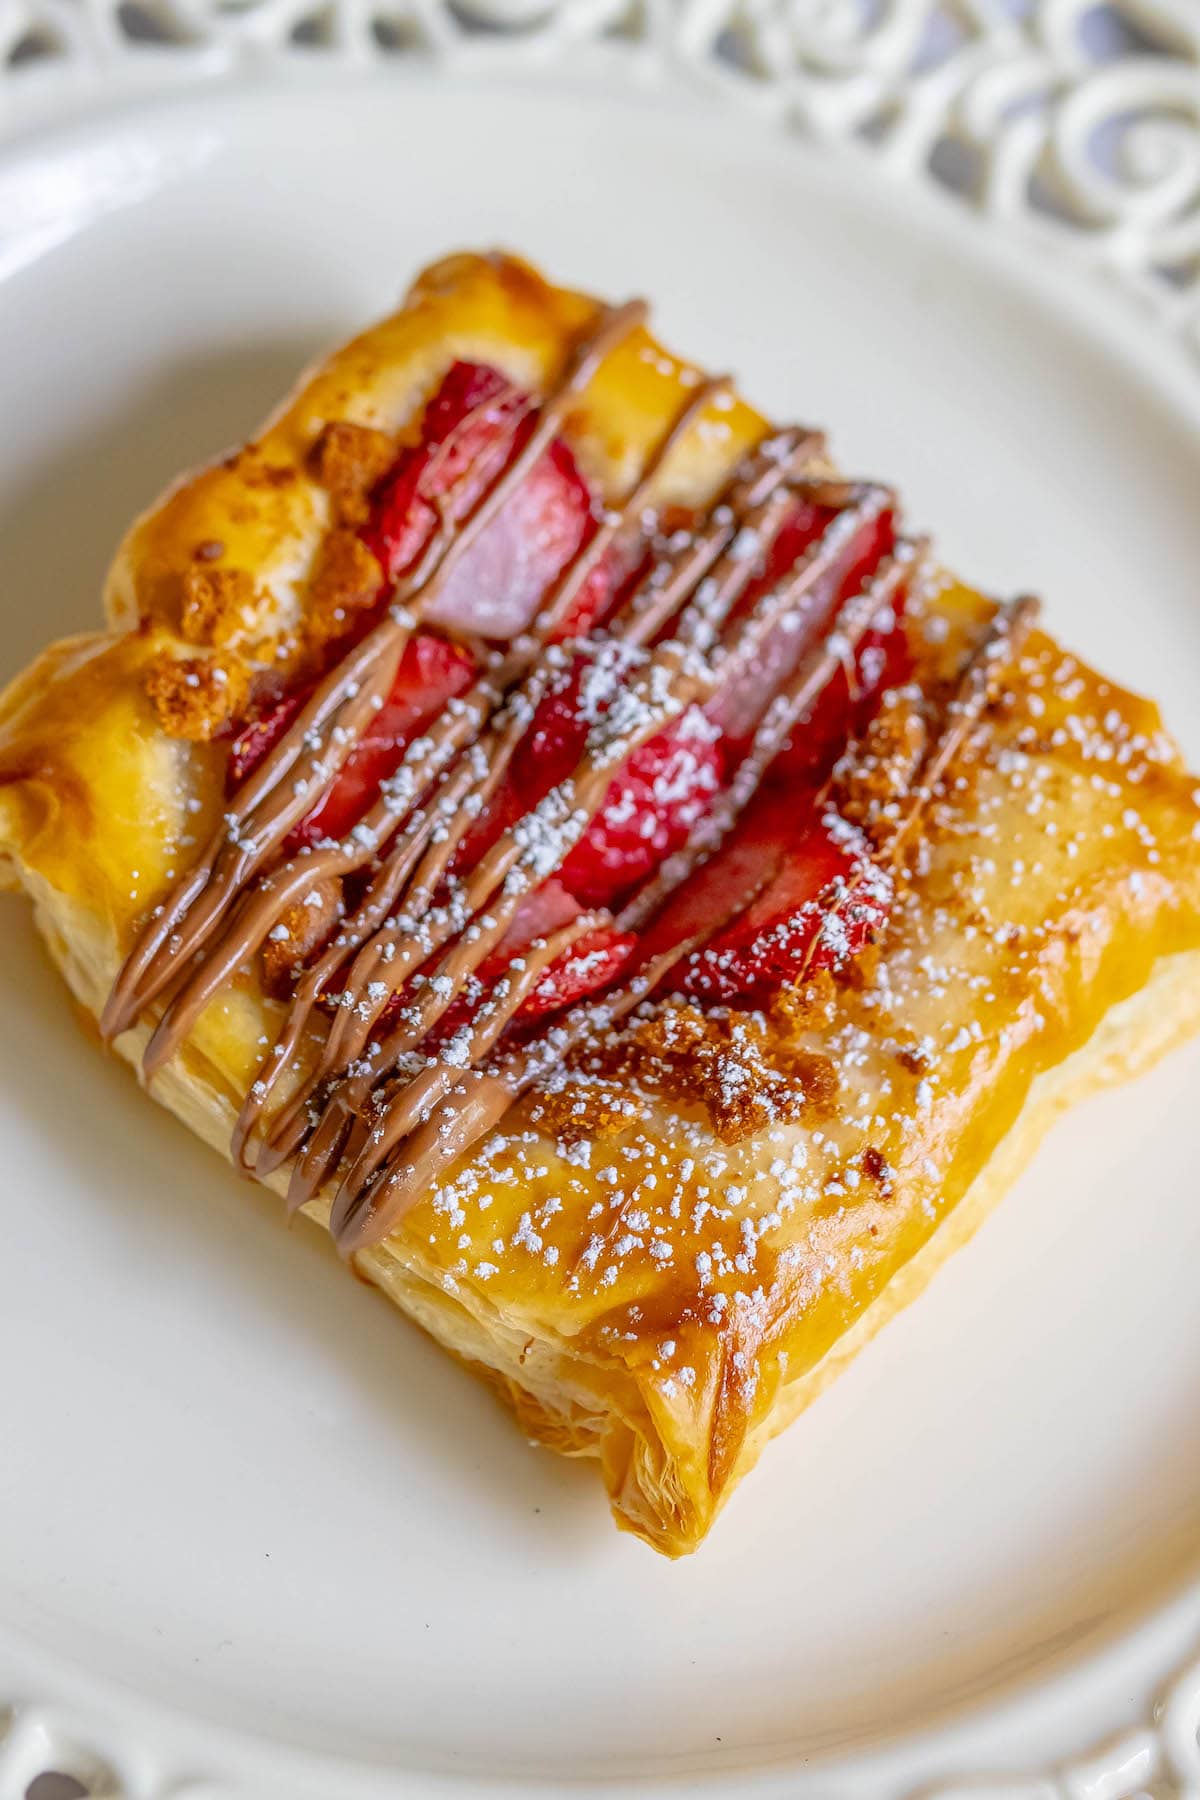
(1166, 1746)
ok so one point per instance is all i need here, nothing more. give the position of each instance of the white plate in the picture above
(251, 1525)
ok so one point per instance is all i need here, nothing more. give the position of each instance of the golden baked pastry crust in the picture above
(652, 1261)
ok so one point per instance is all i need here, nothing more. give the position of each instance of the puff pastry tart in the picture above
(580, 848)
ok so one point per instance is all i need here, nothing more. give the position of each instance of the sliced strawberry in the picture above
(468, 437)
(505, 809)
(541, 913)
(656, 799)
(498, 585)
(554, 743)
(462, 414)
(741, 703)
(746, 863)
(260, 735)
(823, 906)
(465, 442)
(593, 600)
(546, 755)
(593, 962)
(785, 874)
(432, 671)
(860, 555)
(883, 661)
(801, 528)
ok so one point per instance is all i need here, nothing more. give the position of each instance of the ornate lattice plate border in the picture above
(1074, 121)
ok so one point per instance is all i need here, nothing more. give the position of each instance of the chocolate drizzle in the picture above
(377, 1110)
(321, 739)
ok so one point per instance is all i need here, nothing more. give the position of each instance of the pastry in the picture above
(580, 848)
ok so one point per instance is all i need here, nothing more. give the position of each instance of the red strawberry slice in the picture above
(463, 413)
(463, 440)
(655, 799)
(590, 962)
(786, 874)
(543, 912)
(593, 962)
(801, 528)
(883, 661)
(804, 525)
(432, 671)
(496, 587)
(262, 734)
(553, 745)
(739, 706)
(724, 887)
(826, 903)
(546, 755)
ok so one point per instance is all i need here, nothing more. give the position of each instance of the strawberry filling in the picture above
(474, 425)
(656, 797)
(432, 671)
(789, 890)
(739, 706)
(593, 961)
(259, 736)
(797, 889)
